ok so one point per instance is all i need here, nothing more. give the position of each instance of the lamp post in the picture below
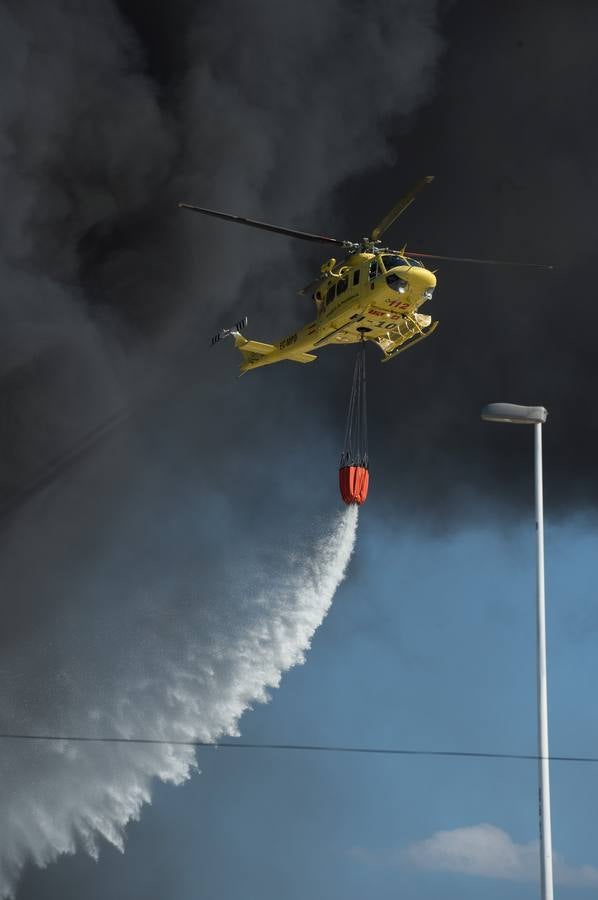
(536, 416)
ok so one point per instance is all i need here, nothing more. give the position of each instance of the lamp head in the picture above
(514, 414)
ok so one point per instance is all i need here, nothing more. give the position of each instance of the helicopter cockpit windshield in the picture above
(391, 262)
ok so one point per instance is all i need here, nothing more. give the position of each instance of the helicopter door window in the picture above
(356, 275)
(373, 269)
(341, 286)
(330, 294)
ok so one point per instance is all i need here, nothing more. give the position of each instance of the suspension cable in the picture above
(355, 447)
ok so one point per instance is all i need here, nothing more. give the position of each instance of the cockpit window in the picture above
(391, 262)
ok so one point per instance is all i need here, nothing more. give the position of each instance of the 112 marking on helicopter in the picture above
(373, 294)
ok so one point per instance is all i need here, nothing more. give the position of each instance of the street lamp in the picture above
(536, 416)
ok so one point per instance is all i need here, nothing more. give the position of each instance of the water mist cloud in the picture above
(184, 673)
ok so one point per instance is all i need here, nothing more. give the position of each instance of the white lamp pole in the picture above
(536, 416)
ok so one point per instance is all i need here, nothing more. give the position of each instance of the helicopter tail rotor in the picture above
(235, 331)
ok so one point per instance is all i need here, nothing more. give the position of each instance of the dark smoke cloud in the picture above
(231, 120)
(82, 139)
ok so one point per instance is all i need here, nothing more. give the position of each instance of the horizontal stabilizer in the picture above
(255, 347)
(301, 357)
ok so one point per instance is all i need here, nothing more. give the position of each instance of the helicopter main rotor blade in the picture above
(400, 208)
(486, 262)
(240, 220)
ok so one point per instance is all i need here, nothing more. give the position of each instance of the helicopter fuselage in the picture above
(369, 296)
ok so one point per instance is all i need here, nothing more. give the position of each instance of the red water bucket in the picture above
(354, 482)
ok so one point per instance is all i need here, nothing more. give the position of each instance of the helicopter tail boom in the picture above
(256, 354)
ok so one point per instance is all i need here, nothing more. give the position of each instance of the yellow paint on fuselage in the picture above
(365, 306)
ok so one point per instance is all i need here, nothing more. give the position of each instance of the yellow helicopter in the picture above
(373, 294)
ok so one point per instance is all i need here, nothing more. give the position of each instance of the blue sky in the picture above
(430, 643)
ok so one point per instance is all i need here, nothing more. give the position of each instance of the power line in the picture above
(310, 748)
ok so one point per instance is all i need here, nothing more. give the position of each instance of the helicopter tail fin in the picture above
(251, 351)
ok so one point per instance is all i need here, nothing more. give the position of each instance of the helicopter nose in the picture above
(423, 278)
(423, 283)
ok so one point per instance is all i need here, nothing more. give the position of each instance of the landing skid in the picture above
(411, 343)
